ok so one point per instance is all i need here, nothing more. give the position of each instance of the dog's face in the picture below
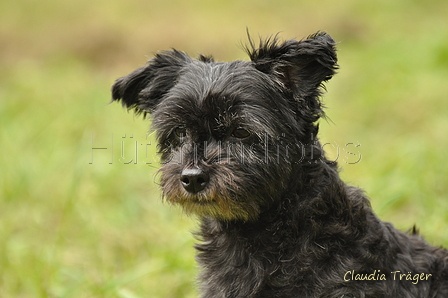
(230, 134)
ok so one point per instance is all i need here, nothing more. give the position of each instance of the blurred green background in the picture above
(82, 222)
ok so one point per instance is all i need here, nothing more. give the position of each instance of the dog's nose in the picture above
(194, 180)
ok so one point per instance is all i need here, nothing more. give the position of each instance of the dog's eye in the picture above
(180, 131)
(240, 133)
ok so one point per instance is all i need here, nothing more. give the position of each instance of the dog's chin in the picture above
(209, 204)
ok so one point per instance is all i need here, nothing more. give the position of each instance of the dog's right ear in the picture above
(144, 88)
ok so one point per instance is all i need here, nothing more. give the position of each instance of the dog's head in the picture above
(230, 133)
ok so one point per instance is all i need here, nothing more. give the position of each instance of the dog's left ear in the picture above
(299, 66)
(145, 87)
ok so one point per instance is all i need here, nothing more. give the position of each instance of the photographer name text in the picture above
(376, 275)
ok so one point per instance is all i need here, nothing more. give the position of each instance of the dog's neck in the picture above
(297, 227)
(301, 203)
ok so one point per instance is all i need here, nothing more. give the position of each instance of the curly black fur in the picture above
(239, 149)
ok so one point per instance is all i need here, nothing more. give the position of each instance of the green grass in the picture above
(73, 226)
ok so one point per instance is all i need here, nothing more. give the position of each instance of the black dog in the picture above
(239, 149)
